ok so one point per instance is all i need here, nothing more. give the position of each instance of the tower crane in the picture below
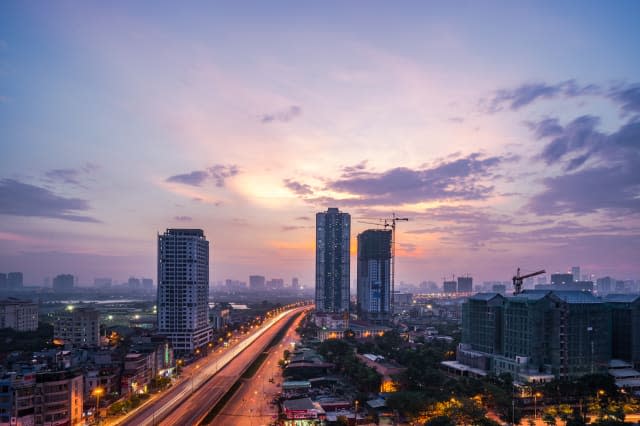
(517, 280)
(391, 223)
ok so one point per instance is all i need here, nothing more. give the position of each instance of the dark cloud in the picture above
(183, 218)
(628, 97)
(195, 178)
(523, 95)
(221, 172)
(297, 187)
(70, 176)
(217, 172)
(283, 116)
(22, 199)
(63, 175)
(355, 170)
(461, 179)
(587, 191)
(305, 218)
(602, 168)
(287, 228)
(578, 137)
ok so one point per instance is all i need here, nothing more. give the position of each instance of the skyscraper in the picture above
(374, 275)
(333, 231)
(183, 288)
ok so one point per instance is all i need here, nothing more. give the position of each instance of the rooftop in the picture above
(622, 298)
(485, 296)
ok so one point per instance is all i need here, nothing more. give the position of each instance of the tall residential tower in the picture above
(333, 231)
(183, 288)
(374, 275)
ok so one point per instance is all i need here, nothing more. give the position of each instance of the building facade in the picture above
(333, 233)
(183, 288)
(59, 398)
(625, 317)
(20, 315)
(374, 276)
(78, 326)
(536, 335)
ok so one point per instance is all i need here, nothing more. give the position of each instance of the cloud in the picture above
(460, 179)
(305, 218)
(22, 199)
(70, 176)
(602, 169)
(195, 178)
(183, 218)
(218, 173)
(63, 175)
(527, 93)
(283, 116)
(287, 228)
(297, 187)
(628, 97)
(221, 172)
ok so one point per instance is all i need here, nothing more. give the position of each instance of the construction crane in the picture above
(391, 223)
(517, 280)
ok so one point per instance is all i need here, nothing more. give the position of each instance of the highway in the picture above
(251, 404)
(190, 398)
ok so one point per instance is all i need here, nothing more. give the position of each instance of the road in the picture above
(191, 395)
(251, 404)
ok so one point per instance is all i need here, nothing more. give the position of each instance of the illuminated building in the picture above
(333, 231)
(183, 288)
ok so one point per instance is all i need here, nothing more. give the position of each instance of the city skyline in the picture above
(509, 134)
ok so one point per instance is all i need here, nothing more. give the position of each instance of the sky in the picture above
(507, 132)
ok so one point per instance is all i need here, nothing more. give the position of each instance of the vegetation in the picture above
(125, 405)
(342, 354)
(27, 341)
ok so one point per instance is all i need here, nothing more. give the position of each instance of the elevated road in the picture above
(205, 382)
(251, 404)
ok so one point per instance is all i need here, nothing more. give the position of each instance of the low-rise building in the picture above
(19, 315)
(59, 398)
(78, 326)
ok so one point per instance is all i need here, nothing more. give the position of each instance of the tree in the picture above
(440, 421)
(409, 403)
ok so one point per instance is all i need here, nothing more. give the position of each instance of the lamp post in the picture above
(357, 402)
(535, 404)
(97, 392)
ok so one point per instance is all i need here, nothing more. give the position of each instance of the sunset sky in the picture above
(507, 132)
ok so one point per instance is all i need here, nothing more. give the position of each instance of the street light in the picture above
(97, 392)
(535, 404)
(357, 402)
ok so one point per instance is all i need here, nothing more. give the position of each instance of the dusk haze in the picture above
(508, 132)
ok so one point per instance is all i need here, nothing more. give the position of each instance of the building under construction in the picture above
(536, 335)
